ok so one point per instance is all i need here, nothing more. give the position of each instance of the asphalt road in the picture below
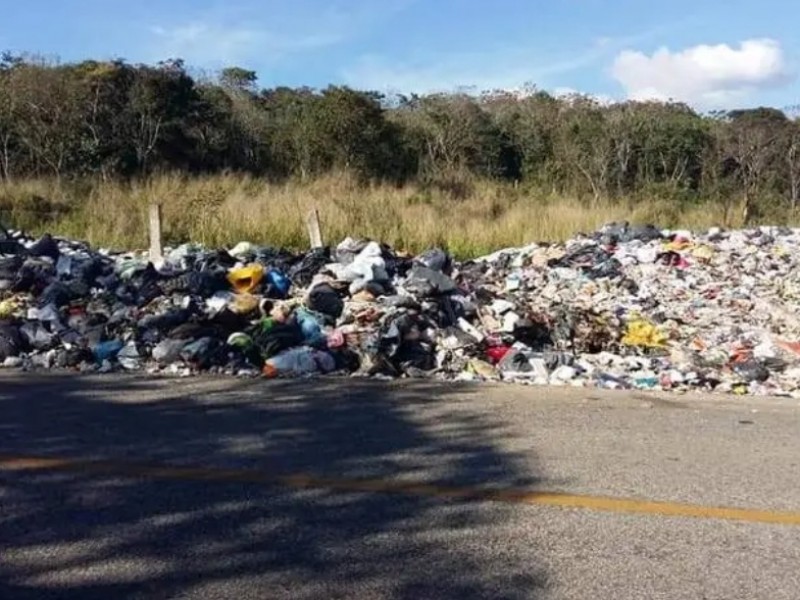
(159, 489)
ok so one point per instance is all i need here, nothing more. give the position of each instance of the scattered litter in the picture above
(622, 308)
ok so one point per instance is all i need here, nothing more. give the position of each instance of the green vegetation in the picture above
(84, 147)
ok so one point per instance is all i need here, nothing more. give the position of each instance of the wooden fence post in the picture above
(156, 251)
(314, 233)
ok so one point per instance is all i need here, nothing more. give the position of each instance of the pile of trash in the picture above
(624, 307)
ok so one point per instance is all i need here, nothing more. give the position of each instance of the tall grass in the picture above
(221, 210)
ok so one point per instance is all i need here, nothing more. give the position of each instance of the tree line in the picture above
(120, 120)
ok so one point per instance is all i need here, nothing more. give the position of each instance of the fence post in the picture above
(314, 233)
(156, 251)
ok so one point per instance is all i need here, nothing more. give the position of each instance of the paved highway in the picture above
(129, 488)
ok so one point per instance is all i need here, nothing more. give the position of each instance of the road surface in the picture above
(131, 488)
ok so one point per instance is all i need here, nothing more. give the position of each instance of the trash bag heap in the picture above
(624, 307)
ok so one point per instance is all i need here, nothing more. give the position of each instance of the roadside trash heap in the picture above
(624, 307)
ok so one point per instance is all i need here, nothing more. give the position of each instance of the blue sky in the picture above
(736, 53)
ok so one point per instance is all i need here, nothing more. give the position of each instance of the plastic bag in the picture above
(291, 363)
(436, 259)
(279, 285)
(324, 299)
(246, 279)
(642, 334)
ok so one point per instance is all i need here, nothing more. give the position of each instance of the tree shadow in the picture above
(76, 535)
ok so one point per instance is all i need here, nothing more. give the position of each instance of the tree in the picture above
(353, 132)
(790, 148)
(584, 145)
(529, 125)
(237, 78)
(162, 101)
(452, 134)
(624, 132)
(48, 111)
(671, 141)
(7, 124)
(112, 119)
(752, 137)
(106, 147)
(294, 138)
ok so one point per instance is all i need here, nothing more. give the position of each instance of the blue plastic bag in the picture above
(279, 284)
(107, 350)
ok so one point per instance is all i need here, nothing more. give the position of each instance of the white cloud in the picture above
(373, 72)
(704, 75)
(565, 93)
(213, 45)
(506, 67)
(248, 35)
(498, 68)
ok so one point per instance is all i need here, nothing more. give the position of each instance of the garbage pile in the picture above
(624, 307)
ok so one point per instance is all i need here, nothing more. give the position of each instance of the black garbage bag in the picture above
(204, 353)
(402, 346)
(401, 336)
(669, 258)
(78, 288)
(150, 336)
(10, 266)
(515, 362)
(57, 293)
(534, 332)
(401, 301)
(70, 336)
(197, 283)
(73, 357)
(229, 322)
(207, 283)
(148, 292)
(583, 257)
(192, 331)
(751, 370)
(325, 300)
(11, 342)
(117, 316)
(37, 336)
(9, 246)
(175, 284)
(109, 282)
(145, 276)
(218, 260)
(448, 311)
(46, 246)
(126, 294)
(90, 270)
(346, 359)
(32, 277)
(396, 266)
(275, 259)
(165, 321)
(436, 259)
(614, 233)
(276, 339)
(609, 269)
(304, 271)
(415, 355)
(642, 233)
(9, 269)
(424, 282)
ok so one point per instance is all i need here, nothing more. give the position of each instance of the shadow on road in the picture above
(69, 535)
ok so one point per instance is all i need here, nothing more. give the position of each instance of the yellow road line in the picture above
(303, 481)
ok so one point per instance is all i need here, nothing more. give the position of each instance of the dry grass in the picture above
(224, 209)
